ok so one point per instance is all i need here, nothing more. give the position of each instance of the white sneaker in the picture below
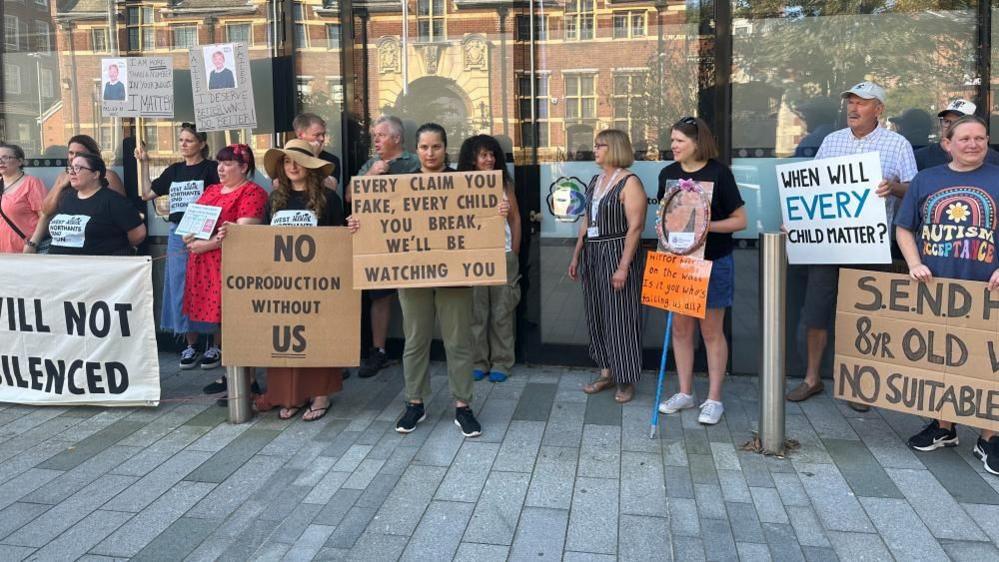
(711, 412)
(677, 402)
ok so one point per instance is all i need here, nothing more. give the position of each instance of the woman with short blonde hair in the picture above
(607, 261)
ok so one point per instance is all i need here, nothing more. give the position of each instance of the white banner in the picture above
(832, 213)
(77, 330)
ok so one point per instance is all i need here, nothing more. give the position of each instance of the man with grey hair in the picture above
(390, 159)
(865, 104)
(312, 129)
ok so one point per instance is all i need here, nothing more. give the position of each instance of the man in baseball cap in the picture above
(865, 104)
(934, 154)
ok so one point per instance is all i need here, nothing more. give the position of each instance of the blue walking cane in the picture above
(662, 375)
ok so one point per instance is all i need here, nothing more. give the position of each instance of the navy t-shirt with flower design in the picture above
(953, 217)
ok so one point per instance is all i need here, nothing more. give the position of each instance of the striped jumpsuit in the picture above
(613, 318)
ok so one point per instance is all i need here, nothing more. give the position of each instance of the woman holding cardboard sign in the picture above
(452, 306)
(299, 199)
(182, 182)
(694, 151)
(242, 202)
(949, 208)
(606, 260)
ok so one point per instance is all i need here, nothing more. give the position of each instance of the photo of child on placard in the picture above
(220, 64)
(114, 79)
(683, 217)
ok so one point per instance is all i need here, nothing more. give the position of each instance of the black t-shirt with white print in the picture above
(95, 226)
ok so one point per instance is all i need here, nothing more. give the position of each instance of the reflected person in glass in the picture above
(607, 261)
(695, 153)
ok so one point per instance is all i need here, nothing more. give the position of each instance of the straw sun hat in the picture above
(301, 152)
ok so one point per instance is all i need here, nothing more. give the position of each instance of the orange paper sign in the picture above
(676, 283)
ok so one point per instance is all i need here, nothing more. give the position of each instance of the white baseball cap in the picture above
(964, 107)
(868, 91)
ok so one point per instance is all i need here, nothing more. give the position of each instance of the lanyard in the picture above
(599, 194)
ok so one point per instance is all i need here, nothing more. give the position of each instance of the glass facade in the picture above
(541, 76)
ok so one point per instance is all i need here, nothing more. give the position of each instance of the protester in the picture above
(864, 133)
(242, 202)
(606, 260)
(493, 318)
(183, 182)
(934, 154)
(968, 183)
(299, 199)
(78, 144)
(312, 129)
(21, 196)
(915, 125)
(452, 306)
(389, 159)
(695, 154)
(92, 220)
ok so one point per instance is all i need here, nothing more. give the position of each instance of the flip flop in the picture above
(625, 394)
(599, 384)
(292, 412)
(317, 418)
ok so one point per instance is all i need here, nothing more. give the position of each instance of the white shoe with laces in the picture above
(711, 412)
(677, 402)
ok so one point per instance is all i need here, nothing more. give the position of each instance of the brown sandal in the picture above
(598, 384)
(625, 393)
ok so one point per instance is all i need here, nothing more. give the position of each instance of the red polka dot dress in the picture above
(203, 284)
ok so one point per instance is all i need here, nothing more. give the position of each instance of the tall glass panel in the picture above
(635, 66)
(791, 61)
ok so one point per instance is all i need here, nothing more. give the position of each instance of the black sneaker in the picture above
(346, 374)
(465, 419)
(224, 401)
(413, 415)
(376, 361)
(188, 358)
(215, 387)
(212, 358)
(988, 453)
(932, 437)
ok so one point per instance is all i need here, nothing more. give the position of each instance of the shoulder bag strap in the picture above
(6, 219)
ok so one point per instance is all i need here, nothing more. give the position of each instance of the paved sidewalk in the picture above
(556, 475)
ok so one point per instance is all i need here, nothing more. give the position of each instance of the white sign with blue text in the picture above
(832, 212)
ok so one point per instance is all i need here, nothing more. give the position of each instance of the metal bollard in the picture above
(773, 297)
(239, 394)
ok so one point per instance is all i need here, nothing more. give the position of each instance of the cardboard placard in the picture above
(676, 283)
(223, 90)
(288, 298)
(930, 349)
(148, 88)
(429, 230)
(831, 211)
(63, 342)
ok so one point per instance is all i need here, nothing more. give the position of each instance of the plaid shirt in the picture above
(897, 160)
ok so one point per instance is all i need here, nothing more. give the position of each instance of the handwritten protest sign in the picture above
(676, 283)
(149, 89)
(221, 84)
(831, 211)
(296, 306)
(199, 220)
(429, 230)
(930, 349)
(68, 343)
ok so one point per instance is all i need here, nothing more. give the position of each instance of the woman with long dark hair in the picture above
(183, 182)
(299, 199)
(493, 307)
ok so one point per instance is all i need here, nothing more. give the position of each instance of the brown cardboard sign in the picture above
(288, 298)
(930, 349)
(429, 230)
